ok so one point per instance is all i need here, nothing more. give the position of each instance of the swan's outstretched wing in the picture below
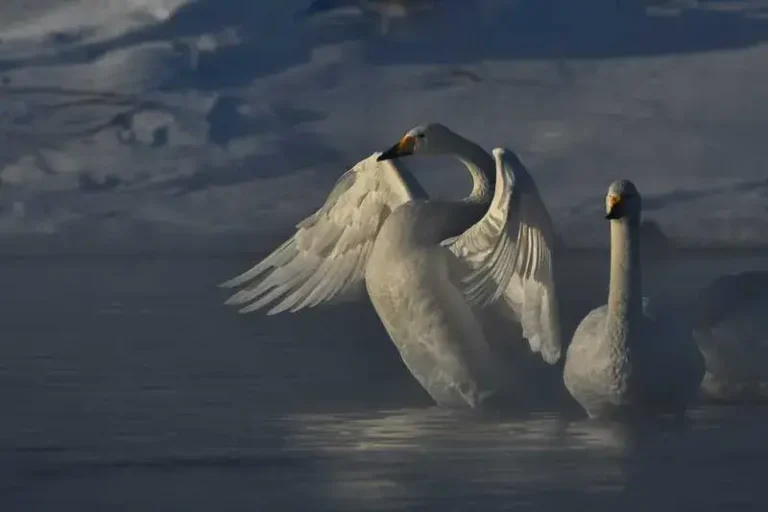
(511, 251)
(325, 259)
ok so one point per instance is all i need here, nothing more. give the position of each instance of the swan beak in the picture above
(403, 148)
(613, 207)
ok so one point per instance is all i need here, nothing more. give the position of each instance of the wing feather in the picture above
(325, 259)
(511, 252)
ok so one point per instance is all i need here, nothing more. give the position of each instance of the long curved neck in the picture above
(625, 295)
(440, 220)
(480, 165)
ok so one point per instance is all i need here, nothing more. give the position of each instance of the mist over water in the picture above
(126, 385)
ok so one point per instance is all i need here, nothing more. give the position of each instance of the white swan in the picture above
(731, 328)
(518, 267)
(622, 360)
(377, 227)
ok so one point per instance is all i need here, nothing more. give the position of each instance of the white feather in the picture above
(325, 259)
(511, 250)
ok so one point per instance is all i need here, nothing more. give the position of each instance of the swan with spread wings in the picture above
(434, 270)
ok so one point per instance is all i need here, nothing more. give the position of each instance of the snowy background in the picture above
(141, 124)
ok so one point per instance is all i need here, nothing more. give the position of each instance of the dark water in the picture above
(125, 385)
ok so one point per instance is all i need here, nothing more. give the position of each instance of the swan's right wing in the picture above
(325, 259)
(513, 246)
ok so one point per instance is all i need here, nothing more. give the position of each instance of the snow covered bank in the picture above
(149, 119)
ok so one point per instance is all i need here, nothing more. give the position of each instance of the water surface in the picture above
(125, 385)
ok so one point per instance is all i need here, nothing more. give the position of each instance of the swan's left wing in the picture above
(511, 252)
(325, 259)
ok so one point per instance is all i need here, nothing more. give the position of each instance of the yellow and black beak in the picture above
(613, 207)
(403, 148)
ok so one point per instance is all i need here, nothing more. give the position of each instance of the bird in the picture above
(730, 318)
(626, 360)
(438, 273)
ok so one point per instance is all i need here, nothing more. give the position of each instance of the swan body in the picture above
(428, 293)
(430, 267)
(731, 329)
(411, 282)
(623, 360)
(510, 248)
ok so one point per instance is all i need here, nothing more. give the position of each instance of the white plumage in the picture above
(429, 266)
(325, 259)
(623, 360)
(511, 249)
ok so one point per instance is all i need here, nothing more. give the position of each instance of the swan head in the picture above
(622, 201)
(425, 139)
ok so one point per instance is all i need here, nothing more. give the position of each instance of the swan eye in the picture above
(420, 136)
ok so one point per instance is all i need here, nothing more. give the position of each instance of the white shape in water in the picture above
(622, 360)
(731, 328)
(378, 227)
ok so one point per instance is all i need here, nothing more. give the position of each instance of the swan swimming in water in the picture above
(422, 293)
(731, 328)
(622, 360)
(428, 265)
(512, 222)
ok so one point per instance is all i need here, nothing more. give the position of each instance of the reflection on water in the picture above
(125, 385)
(424, 457)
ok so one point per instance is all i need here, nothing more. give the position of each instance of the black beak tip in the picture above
(389, 154)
